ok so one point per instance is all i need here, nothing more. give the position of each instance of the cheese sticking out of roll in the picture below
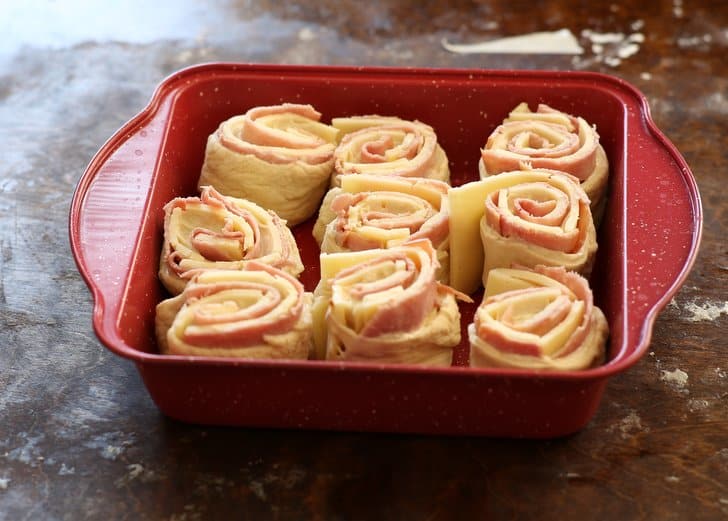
(525, 217)
(385, 306)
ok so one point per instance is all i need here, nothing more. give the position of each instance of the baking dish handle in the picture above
(663, 238)
(107, 210)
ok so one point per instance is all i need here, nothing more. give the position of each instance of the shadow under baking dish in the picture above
(648, 240)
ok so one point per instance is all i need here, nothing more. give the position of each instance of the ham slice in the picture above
(280, 157)
(409, 270)
(537, 217)
(283, 133)
(542, 318)
(218, 232)
(369, 212)
(389, 146)
(256, 312)
(275, 306)
(388, 307)
(544, 139)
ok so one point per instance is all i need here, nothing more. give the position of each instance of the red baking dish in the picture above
(647, 244)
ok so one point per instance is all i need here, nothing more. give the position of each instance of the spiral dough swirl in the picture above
(257, 312)
(543, 318)
(218, 232)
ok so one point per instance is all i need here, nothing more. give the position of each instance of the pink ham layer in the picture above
(549, 213)
(407, 312)
(545, 320)
(420, 152)
(252, 323)
(262, 142)
(436, 228)
(571, 157)
(210, 196)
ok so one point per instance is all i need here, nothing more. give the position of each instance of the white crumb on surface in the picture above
(677, 9)
(628, 50)
(701, 41)
(718, 102)
(614, 47)
(698, 405)
(677, 378)
(646, 76)
(672, 479)
(111, 452)
(66, 471)
(257, 488)
(705, 311)
(190, 512)
(603, 38)
(4, 482)
(306, 34)
(573, 475)
(629, 426)
(562, 41)
(137, 472)
(28, 451)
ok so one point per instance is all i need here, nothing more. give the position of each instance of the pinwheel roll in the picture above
(385, 306)
(257, 312)
(388, 146)
(280, 157)
(370, 211)
(553, 140)
(543, 318)
(218, 232)
(538, 217)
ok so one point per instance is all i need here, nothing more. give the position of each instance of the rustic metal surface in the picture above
(79, 436)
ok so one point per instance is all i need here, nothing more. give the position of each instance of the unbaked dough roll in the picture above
(257, 312)
(550, 139)
(543, 318)
(538, 217)
(280, 157)
(388, 146)
(385, 306)
(370, 211)
(218, 232)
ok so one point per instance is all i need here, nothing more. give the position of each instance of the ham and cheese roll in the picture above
(218, 232)
(553, 140)
(543, 318)
(370, 211)
(537, 217)
(280, 157)
(385, 306)
(257, 312)
(388, 146)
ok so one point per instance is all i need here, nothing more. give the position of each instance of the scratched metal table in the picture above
(81, 439)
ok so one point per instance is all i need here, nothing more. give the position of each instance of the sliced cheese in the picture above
(355, 183)
(354, 123)
(467, 206)
(331, 265)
